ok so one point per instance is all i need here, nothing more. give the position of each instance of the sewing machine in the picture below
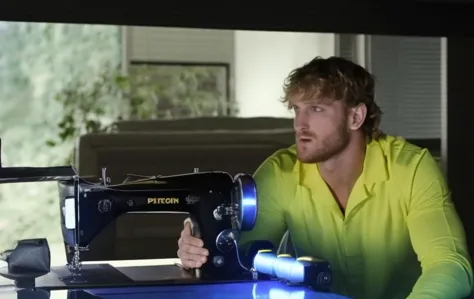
(219, 206)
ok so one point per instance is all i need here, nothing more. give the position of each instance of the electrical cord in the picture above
(238, 256)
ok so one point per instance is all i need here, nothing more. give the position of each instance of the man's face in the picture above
(321, 128)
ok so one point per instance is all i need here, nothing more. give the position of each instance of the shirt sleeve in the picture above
(437, 236)
(270, 224)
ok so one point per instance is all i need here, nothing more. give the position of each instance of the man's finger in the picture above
(188, 239)
(190, 249)
(183, 255)
(187, 231)
(198, 251)
(186, 256)
(193, 241)
(187, 228)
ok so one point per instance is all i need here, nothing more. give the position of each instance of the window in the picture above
(178, 90)
(408, 84)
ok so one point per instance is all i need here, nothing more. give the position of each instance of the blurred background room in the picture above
(155, 100)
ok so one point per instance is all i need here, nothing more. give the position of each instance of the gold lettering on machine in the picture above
(163, 200)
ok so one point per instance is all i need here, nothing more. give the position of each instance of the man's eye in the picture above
(293, 108)
(316, 109)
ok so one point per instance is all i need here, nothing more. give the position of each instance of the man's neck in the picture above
(343, 170)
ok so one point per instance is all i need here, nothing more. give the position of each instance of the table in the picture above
(155, 282)
(246, 290)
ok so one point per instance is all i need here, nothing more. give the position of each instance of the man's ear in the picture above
(357, 116)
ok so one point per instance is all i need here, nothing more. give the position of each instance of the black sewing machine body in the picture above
(219, 205)
(214, 201)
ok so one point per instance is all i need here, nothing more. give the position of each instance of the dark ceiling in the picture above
(403, 17)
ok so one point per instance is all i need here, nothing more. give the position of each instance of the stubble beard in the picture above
(317, 151)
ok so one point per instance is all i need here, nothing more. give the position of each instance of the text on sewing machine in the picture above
(163, 200)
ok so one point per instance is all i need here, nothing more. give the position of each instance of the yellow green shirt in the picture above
(400, 236)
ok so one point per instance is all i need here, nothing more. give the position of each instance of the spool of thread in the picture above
(283, 267)
(308, 271)
(263, 262)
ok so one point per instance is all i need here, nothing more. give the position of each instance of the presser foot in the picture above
(75, 267)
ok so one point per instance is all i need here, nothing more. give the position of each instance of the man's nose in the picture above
(300, 122)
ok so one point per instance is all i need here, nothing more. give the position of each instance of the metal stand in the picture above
(75, 266)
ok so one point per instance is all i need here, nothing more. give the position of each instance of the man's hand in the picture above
(191, 251)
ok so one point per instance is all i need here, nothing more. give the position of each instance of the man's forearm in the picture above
(443, 280)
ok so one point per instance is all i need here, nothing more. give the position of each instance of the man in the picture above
(375, 206)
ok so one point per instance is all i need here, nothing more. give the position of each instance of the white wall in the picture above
(259, 60)
(264, 59)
